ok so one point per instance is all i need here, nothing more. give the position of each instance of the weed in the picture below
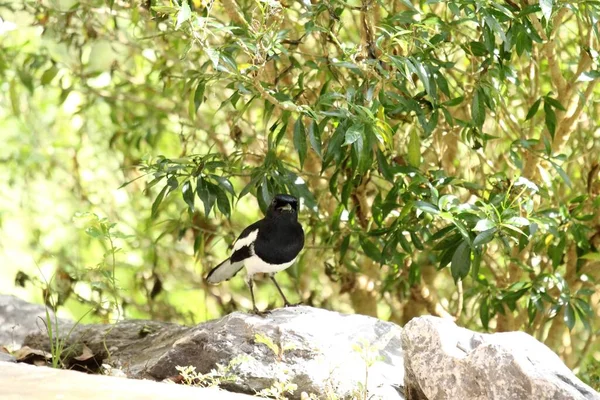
(223, 373)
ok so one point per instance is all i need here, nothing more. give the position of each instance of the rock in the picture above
(19, 318)
(319, 351)
(26, 382)
(312, 348)
(5, 357)
(444, 361)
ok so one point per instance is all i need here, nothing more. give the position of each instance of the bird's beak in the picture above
(287, 207)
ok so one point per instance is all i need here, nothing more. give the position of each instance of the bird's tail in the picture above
(224, 271)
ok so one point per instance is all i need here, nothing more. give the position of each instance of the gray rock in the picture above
(26, 382)
(19, 318)
(444, 361)
(320, 351)
(4, 357)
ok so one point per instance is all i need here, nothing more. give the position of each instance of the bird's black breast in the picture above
(279, 240)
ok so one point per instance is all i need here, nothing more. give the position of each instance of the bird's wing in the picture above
(247, 237)
(224, 271)
(242, 249)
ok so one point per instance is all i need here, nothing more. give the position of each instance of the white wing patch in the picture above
(245, 241)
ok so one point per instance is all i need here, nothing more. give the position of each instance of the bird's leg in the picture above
(285, 300)
(250, 284)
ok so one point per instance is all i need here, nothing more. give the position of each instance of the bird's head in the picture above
(283, 205)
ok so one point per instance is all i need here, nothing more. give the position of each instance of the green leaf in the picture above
(562, 174)
(49, 74)
(213, 55)
(184, 13)
(484, 313)
(384, 166)
(416, 241)
(314, 137)
(454, 102)
(188, 195)
(300, 140)
(533, 109)
(222, 201)
(484, 225)
(569, 316)
(353, 133)
(15, 100)
(554, 103)
(478, 107)
(224, 183)
(495, 26)
(166, 10)
(461, 261)
(370, 249)
(588, 76)
(205, 195)
(546, 6)
(158, 200)
(591, 256)
(414, 149)
(517, 221)
(427, 207)
(484, 237)
(550, 119)
(344, 247)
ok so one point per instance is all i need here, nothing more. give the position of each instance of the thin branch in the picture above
(459, 307)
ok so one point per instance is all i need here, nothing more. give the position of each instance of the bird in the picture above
(267, 246)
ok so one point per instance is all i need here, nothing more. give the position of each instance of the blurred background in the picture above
(445, 155)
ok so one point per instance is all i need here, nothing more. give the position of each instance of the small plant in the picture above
(57, 343)
(223, 373)
(276, 349)
(370, 355)
(279, 389)
(103, 230)
(283, 384)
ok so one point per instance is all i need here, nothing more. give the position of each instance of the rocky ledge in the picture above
(302, 353)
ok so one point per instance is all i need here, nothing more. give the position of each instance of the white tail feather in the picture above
(224, 271)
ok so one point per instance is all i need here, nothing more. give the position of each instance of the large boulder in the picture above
(320, 351)
(443, 361)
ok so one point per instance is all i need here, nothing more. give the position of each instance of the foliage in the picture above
(445, 154)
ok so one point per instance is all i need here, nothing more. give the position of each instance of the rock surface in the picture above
(444, 361)
(26, 382)
(320, 351)
(19, 318)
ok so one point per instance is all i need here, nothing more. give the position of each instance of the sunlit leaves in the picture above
(414, 148)
(184, 13)
(546, 6)
(353, 134)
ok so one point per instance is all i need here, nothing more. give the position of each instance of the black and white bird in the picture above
(267, 246)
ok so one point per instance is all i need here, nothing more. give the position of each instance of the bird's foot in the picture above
(292, 304)
(264, 313)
